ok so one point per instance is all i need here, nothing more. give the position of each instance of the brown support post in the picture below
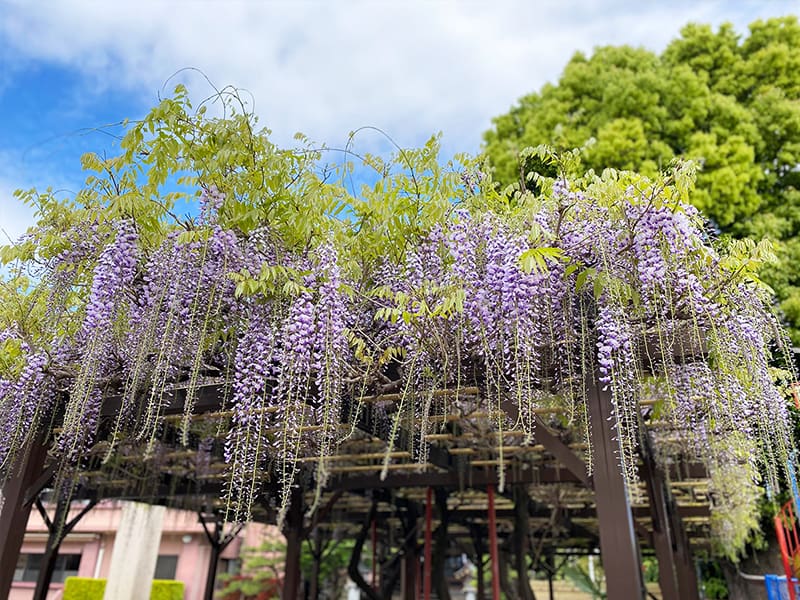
(677, 577)
(688, 585)
(294, 542)
(618, 546)
(662, 534)
(14, 511)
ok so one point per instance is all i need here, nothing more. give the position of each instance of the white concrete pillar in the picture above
(133, 560)
(353, 593)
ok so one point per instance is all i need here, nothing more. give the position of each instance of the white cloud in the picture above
(325, 68)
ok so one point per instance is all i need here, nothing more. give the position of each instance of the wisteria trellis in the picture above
(528, 296)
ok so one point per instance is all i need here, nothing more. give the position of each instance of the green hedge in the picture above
(86, 588)
(167, 589)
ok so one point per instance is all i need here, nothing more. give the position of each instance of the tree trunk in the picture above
(390, 575)
(211, 573)
(316, 554)
(46, 572)
(355, 557)
(508, 589)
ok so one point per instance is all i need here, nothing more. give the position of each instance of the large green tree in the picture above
(731, 103)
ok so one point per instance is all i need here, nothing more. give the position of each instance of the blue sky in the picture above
(71, 69)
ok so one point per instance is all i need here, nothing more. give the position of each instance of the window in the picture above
(227, 566)
(29, 565)
(166, 566)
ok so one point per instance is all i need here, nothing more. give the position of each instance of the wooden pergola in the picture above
(545, 495)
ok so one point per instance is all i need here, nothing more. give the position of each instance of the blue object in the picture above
(777, 589)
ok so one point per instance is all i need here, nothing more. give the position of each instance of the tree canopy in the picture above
(730, 103)
(297, 296)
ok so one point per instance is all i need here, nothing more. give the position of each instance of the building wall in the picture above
(93, 538)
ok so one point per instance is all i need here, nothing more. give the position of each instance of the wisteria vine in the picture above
(601, 282)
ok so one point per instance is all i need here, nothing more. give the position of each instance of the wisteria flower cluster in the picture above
(610, 283)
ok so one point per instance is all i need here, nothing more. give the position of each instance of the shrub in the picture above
(86, 588)
(167, 589)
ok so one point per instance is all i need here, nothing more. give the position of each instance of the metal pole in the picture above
(493, 545)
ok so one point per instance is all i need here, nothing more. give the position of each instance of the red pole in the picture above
(493, 545)
(785, 556)
(374, 581)
(428, 516)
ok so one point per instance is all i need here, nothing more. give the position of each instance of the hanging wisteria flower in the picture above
(312, 329)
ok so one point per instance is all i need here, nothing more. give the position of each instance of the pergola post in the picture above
(618, 546)
(294, 541)
(14, 510)
(669, 536)
(688, 585)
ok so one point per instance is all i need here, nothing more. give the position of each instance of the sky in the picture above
(70, 70)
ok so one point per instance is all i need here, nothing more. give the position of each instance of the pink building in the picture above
(183, 555)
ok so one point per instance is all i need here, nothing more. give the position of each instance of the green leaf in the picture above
(535, 259)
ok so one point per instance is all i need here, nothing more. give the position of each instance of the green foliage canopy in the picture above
(731, 104)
